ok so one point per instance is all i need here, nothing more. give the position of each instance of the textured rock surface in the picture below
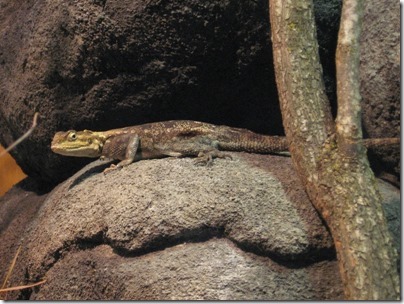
(212, 270)
(106, 64)
(185, 231)
(167, 229)
(18, 207)
(380, 79)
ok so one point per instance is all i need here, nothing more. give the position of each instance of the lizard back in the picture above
(227, 138)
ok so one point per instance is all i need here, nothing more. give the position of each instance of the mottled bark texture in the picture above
(334, 169)
(347, 67)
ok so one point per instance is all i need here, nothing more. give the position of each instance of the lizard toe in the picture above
(206, 158)
(111, 168)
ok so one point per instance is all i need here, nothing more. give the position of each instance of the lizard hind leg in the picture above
(204, 148)
(206, 158)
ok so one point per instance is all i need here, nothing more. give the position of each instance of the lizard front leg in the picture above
(113, 149)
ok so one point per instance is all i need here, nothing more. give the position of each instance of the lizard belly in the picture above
(148, 154)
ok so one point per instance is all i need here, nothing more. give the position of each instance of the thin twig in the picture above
(10, 269)
(377, 142)
(22, 287)
(23, 137)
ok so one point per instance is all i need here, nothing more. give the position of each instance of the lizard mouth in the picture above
(78, 149)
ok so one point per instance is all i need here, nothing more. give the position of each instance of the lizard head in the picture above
(77, 143)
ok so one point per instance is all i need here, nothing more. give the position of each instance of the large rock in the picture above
(167, 229)
(380, 79)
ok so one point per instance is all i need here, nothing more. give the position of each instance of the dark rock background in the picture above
(107, 64)
(381, 81)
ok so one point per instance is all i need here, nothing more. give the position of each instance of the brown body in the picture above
(189, 138)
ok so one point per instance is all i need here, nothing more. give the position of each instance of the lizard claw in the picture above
(121, 164)
(206, 158)
(111, 168)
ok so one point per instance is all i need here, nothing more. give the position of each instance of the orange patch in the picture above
(10, 172)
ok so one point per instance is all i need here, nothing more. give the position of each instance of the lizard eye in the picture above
(72, 136)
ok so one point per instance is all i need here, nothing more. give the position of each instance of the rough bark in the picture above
(330, 160)
(347, 66)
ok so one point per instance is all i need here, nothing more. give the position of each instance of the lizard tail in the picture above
(234, 139)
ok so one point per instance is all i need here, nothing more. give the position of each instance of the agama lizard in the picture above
(174, 138)
(170, 138)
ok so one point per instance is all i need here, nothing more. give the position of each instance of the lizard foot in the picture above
(121, 164)
(111, 168)
(206, 158)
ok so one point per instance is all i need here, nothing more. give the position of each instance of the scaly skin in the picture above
(170, 138)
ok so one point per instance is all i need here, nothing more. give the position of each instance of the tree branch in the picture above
(340, 184)
(349, 128)
(297, 63)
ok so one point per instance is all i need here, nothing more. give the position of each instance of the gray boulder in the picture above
(167, 229)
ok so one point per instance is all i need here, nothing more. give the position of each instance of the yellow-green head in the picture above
(78, 143)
